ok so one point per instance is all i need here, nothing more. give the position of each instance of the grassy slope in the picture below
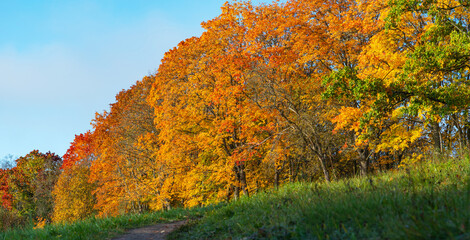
(103, 228)
(430, 201)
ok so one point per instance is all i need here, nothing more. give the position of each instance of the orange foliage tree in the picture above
(279, 92)
(124, 162)
(5, 195)
(212, 135)
(73, 198)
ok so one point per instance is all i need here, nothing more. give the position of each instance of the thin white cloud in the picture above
(50, 93)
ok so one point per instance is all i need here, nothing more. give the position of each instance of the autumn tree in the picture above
(211, 129)
(294, 47)
(5, 195)
(7, 162)
(32, 182)
(380, 135)
(410, 81)
(279, 92)
(73, 193)
(435, 76)
(124, 162)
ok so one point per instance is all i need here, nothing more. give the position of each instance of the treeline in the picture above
(26, 189)
(295, 91)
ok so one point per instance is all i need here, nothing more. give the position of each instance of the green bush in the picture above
(10, 219)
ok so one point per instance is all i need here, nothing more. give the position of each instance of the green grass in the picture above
(103, 228)
(429, 201)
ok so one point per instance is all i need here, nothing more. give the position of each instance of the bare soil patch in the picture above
(154, 232)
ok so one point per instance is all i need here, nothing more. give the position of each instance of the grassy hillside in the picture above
(427, 201)
(103, 228)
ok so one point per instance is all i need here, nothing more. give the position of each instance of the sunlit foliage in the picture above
(297, 91)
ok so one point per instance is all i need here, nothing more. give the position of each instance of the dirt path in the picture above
(154, 232)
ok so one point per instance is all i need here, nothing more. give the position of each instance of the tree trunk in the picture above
(236, 193)
(276, 179)
(229, 192)
(363, 161)
(166, 204)
(239, 169)
(243, 183)
(461, 132)
(324, 169)
(436, 137)
(466, 131)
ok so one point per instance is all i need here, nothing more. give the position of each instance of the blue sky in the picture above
(62, 61)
